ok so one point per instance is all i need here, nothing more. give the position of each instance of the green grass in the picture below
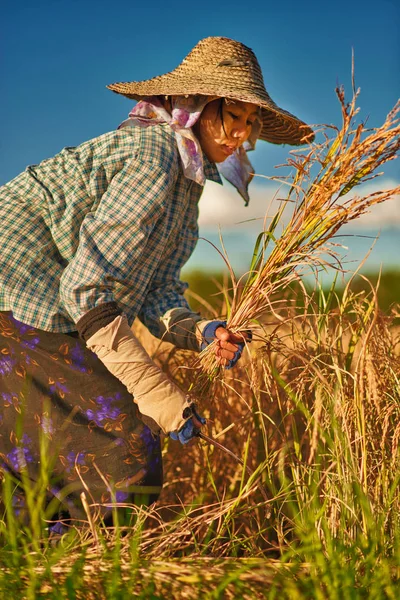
(315, 417)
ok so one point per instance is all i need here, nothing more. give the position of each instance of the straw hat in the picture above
(219, 66)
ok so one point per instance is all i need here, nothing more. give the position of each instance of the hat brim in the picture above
(278, 125)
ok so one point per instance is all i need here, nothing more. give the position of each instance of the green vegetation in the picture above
(314, 414)
(205, 289)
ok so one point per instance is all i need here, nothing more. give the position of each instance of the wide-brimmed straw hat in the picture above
(219, 66)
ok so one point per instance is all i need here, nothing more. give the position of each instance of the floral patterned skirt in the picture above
(62, 411)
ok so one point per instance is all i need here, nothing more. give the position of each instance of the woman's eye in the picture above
(233, 115)
(250, 123)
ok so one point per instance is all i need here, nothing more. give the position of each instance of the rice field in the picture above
(301, 500)
(313, 412)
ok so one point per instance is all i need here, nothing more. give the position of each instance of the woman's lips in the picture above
(228, 150)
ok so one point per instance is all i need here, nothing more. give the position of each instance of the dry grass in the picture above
(322, 192)
(314, 412)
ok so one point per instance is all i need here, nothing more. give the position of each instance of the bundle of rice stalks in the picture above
(322, 204)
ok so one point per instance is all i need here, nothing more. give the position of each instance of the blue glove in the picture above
(188, 430)
(209, 336)
(209, 333)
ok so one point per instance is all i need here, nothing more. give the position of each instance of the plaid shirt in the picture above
(113, 219)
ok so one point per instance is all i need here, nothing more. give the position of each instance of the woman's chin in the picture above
(217, 156)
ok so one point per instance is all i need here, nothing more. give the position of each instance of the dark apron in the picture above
(60, 407)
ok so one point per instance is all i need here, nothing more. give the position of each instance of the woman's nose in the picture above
(239, 133)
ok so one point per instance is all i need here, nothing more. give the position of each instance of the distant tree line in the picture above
(207, 286)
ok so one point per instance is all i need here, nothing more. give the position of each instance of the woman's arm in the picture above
(120, 242)
(166, 312)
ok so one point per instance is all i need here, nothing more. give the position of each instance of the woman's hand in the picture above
(228, 345)
(191, 428)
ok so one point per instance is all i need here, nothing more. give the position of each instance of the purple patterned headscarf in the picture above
(185, 111)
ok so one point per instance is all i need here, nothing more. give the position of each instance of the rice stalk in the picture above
(323, 204)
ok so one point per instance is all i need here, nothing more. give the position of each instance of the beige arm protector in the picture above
(123, 355)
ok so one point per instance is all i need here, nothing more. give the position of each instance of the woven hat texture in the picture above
(219, 66)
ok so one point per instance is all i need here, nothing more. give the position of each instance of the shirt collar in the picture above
(211, 170)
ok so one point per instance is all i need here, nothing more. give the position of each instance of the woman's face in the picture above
(223, 127)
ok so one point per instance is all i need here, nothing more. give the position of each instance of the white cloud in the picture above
(222, 206)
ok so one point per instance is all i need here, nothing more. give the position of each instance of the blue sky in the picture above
(58, 56)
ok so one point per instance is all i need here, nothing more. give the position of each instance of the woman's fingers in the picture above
(228, 353)
(224, 335)
(227, 344)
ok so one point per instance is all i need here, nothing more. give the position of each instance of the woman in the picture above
(95, 237)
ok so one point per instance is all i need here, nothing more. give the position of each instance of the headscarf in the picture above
(185, 111)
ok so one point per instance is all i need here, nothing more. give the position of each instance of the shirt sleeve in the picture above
(115, 241)
(164, 295)
(166, 291)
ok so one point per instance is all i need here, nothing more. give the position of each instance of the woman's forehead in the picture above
(247, 107)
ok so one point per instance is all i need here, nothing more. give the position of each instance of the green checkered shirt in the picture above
(113, 219)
